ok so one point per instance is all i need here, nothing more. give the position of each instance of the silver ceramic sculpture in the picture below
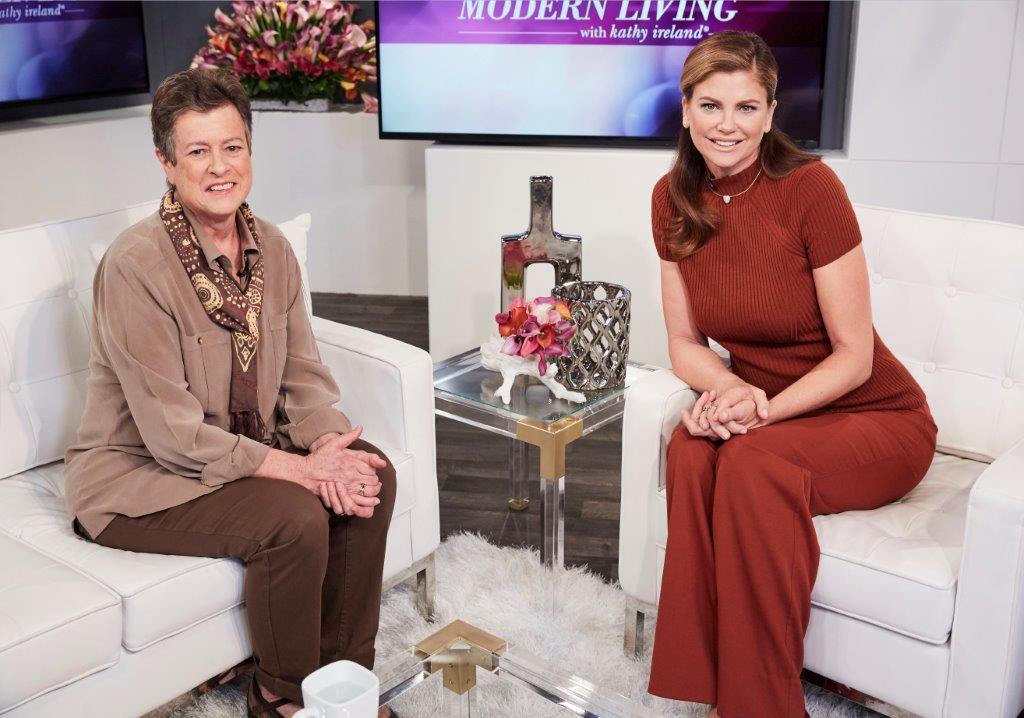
(540, 244)
(599, 349)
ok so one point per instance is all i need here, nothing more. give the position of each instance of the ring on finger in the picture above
(362, 489)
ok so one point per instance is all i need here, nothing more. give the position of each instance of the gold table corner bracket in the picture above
(457, 650)
(460, 630)
(551, 439)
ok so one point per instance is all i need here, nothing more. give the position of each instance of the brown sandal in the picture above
(260, 707)
(230, 674)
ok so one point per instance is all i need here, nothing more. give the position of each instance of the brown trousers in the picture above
(312, 578)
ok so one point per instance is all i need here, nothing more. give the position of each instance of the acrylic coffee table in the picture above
(464, 391)
(447, 662)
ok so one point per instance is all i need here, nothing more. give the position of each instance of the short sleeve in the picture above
(661, 213)
(828, 224)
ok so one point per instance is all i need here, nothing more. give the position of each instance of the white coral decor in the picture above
(511, 366)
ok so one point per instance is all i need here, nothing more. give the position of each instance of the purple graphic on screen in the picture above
(592, 22)
(644, 33)
(52, 50)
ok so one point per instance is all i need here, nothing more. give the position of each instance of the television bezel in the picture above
(836, 63)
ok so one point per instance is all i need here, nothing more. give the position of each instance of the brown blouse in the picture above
(154, 430)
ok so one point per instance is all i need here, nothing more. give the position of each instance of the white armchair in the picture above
(918, 606)
(89, 631)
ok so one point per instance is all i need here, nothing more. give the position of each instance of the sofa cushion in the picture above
(161, 595)
(896, 566)
(56, 625)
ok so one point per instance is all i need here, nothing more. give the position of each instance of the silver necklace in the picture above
(727, 198)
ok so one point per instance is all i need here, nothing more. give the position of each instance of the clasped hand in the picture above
(737, 409)
(345, 480)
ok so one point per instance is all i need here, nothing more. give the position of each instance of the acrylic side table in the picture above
(464, 391)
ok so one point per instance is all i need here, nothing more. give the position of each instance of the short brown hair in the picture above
(199, 90)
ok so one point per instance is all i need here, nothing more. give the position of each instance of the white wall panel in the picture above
(959, 189)
(930, 79)
(366, 196)
(1013, 127)
(1009, 204)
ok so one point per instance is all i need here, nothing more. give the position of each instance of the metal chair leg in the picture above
(423, 572)
(633, 635)
(425, 588)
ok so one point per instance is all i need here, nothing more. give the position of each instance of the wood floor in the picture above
(472, 465)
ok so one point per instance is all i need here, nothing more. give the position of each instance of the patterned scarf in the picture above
(226, 305)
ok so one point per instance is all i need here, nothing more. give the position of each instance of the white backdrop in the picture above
(935, 118)
(366, 196)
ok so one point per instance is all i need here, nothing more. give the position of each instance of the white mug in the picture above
(342, 689)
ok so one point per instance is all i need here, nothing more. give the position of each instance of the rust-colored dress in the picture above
(742, 553)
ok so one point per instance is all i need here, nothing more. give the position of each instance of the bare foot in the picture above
(714, 713)
(384, 712)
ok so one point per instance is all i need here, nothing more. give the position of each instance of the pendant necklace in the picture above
(727, 198)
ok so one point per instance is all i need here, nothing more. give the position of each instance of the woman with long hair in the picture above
(760, 250)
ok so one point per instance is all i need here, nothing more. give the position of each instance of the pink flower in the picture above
(222, 18)
(370, 103)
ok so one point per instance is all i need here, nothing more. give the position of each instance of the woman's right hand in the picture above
(698, 424)
(345, 480)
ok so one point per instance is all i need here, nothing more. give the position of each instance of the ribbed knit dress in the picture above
(742, 553)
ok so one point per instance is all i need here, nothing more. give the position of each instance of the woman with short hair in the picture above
(761, 252)
(209, 427)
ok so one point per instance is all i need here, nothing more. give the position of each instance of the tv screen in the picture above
(591, 71)
(63, 50)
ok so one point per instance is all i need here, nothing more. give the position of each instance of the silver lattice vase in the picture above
(599, 349)
(540, 244)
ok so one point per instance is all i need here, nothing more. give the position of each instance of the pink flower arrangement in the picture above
(541, 328)
(294, 51)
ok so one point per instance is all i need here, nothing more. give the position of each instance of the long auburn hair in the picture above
(729, 51)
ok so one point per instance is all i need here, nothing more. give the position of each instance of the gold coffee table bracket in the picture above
(457, 650)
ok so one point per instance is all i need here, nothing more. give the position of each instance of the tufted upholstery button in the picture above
(876, 278)
(929, 367)
(72, 294)
(1007, 383)
(200, 340)
(14, 387)
(950, 291)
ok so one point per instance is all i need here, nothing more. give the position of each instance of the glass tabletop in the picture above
(465, 391)
(443, 680)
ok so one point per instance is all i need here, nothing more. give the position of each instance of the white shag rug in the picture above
(505, 591)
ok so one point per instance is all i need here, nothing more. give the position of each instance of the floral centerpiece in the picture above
(541, 328)
(529, 334)
(295, 51)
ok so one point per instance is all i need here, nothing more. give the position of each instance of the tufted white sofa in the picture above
(90, 631)
(918, 604)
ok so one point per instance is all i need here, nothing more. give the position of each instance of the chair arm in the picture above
(387, 386)
(987, 644)
(654, 405)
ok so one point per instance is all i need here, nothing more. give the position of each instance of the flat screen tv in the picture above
(591, 71)
(58, 51)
